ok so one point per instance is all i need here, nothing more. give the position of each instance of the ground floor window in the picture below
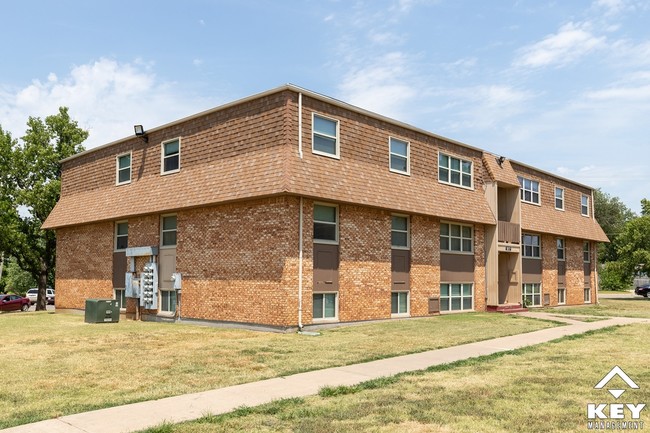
(561, 296)
(399, 303)
(168, 301)
(587, 295)
(456, 296)
(532, 294)
(120, 296)
(324, 306)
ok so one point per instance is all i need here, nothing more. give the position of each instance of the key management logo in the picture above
(615, 416)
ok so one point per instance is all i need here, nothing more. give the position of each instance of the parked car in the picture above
(13, 302)
(32, 294)
(643, 290)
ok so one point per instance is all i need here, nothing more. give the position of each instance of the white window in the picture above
(532, 294)
(325, 136)
(456, 237)
(587, 295)
(399, 303)
(325, 306)
(399, 156)
(168, 301)
(456, 296)
(120, 296)
(454, 171)
(532, 247)
(586, 252)
(168, 231)
(561, 296)
(559, 198)
(171, 156)
(560, 249)
(529, 190)
(123, 169)
(584, 205)
(399, 233)
(326, 228)
(121, 235)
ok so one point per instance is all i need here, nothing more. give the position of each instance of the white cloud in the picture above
(105, 97)
(570, 43)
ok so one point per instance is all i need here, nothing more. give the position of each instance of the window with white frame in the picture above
(399, 232)
(561, 296)
(531, 246)
(123, 168)
(399, 155)
(587, 295)
(559, 198)
(529, 190)
(168, 231)
(454, 171)
(456, 296)
(121, 235)
(456, 238)
(586, 252)
(325, 136)
(326, 228)
(399, 303)
(120, 296)
(584, 205)
(560, 249)
(168, 301)
(171, 156)
(531, 294)
(324, 306)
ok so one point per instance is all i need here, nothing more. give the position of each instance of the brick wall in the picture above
(425, 263)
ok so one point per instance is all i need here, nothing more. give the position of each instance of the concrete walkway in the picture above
(139, 416)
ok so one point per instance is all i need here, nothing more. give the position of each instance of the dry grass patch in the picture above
(538, 389)
(624, 307)
(61, 365)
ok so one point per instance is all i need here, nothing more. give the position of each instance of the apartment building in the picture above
(289, 208)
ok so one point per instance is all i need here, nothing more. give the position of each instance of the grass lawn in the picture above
(57, 365)
(625, 307)
(538, 389)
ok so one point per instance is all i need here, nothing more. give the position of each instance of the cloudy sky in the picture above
(560, 85)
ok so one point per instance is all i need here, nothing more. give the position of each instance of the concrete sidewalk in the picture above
(139, 416)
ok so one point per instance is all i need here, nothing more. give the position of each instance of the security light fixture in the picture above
(139, 132)
(500, 160)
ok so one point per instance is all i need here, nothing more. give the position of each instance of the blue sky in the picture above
(560, 85)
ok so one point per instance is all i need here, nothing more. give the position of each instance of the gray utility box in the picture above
(102, 311)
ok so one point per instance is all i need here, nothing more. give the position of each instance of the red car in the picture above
(13, 302)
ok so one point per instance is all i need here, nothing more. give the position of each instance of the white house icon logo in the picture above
(616, 371)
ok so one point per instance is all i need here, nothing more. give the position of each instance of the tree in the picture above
(17, 280)
(633, 246)
(645, 207)
(30, 172)
(612, 215)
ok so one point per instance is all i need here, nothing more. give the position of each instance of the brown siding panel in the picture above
(400, 269)
(119, 269)
(531, 270)
(326, 268)
(456, 268)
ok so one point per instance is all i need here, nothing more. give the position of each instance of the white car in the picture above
(32, 294)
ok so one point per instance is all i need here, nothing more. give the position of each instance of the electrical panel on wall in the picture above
(132, 285)
(149, 286)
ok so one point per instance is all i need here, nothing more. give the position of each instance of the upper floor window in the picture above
(529, 190)
(456, 237)
(123, 168)
(584, 205)
(171, 156)
(168, 232)
(326, 228)
(586, 252)
(560, 249)
(399, 233)
(399, 155)
(325, 136)
(559, 198)
(121, 235)
(454, 171)
(532, 247)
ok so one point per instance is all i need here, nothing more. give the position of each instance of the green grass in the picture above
(60, 365)
(627, 307)
(542, 388)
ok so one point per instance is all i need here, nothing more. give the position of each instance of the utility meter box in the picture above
(102, 311)
(149, 286)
